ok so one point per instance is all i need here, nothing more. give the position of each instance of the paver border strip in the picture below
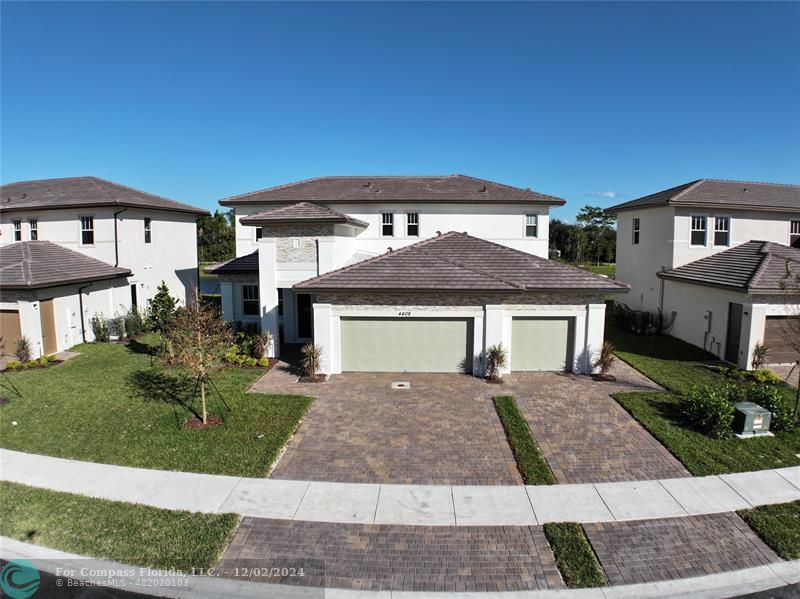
(432, 505)
(725, 584)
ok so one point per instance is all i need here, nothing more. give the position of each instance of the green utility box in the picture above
(751, 420)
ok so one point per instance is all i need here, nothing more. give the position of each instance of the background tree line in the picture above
(592, 239)
(216, 240)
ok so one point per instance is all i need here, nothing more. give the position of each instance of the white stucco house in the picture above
(411, 274)
(720, 256)
(71, 248)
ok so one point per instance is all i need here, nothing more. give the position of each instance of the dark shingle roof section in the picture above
(85, 192)
(460, 262)
(302, 212)
(752, 267)
(444, 189)
(40, 264)
(712, 193)
(241, 265)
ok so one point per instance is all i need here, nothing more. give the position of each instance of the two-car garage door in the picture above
(406, 344)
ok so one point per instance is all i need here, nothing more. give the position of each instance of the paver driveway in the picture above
(445, 430)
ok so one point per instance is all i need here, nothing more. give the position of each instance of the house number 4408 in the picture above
(404, 313)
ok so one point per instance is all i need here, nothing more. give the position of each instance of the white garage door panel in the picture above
(541, 344)
(405, 344)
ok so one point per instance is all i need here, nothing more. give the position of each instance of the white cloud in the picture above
(604, 194)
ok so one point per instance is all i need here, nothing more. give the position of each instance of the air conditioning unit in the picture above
(751, 420)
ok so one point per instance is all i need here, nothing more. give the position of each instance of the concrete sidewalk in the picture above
(728, 584)
(405, 504)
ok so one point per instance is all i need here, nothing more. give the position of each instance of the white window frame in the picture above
(794, 230)
(384, 223)
(636, 230)
(728, 219)
(410, 224)
(16, 229)
(250, 300)
(534, 224)
(148, 230)
(704, 218)
(81, 230)
(33, 229)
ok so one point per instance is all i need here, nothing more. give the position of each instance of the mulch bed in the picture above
(610, 378)
(212, 421)
(320, 378)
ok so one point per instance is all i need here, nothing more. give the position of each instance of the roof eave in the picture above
(532, 201)
(187, 210)
(597, 290)
(679, 279)
(61, 283)
(701, 205)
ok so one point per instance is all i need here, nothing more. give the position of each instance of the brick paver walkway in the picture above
(412, 558)
(584, 434)
(445, 430)
(650, 550)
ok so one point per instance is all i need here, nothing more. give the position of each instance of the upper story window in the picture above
(531, 225)
(794, 234)
(387, 224)
(33, 224)
(412, 224)
(87, 230)
(148, 233)
(637, 224)
(250, 303)
(698, 233)
(259, 233)
(722, 231)
(17, 230)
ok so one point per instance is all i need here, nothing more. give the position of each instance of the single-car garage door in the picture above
(776, 338)
(541, 344)
(406, 344)
(9, 331)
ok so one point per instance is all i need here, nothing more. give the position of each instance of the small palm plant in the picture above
(23, 349)
(261, 343)
(604, 360)
(760, 354)
(495, 361)
(312, 359)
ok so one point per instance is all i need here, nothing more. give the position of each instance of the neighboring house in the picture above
(370, 269)
(709, 252)
(154, 239)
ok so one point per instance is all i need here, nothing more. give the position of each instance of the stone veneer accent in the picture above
(15, 295)
(284, 234)
(448, 300)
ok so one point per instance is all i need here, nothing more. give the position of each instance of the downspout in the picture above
(116, 238)
(316, 246)
(80, 306)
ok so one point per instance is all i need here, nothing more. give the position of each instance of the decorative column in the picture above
(595, 331)
(754, 321)
(326, 337)
(498, 332)
(268, 293)
(226, 291)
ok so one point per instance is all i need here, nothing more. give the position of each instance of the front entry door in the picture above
(734, 334)
(305, 313)
(48, 320)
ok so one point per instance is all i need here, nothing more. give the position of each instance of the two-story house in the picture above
(718, 255)
(411, 274)
(71, 248)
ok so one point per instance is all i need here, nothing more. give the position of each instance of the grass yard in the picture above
(530, 461)
(574, 555)
(607, 269)
(778, 526)
(678, 366)
(110, 405)
(129, 533)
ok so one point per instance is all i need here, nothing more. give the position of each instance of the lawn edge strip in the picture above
(532, 465)
(778, 525)
(129, 533)
(575, 557)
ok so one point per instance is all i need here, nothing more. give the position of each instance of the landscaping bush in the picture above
(235, 357)
(23, 349)
(118, 323)
(260, 344)
(760, 353)
(605, 359)
(161, 309)
(40, 363)
(495, 360)
(710, 411)
(100, 330)
(312, 359)
(769, 397)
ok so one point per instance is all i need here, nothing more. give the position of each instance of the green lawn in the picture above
(678, 366)
(128, 533)
(574, 555)
(530, 461)
(109, 405)
(609, 270)
(778, 526)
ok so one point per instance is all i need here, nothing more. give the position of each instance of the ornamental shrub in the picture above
(710, 411)
(100, 329)
(770, 398)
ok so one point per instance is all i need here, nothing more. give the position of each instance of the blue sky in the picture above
(197, 101)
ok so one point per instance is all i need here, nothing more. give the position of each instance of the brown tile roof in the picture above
(460, 262)
(39, 264)
(714, 193)
(246, 264)
(752, 267)
(305, 212)
(82, 192)
(444, 189)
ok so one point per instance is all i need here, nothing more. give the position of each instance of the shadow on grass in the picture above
(138, 347)
(163, 387)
